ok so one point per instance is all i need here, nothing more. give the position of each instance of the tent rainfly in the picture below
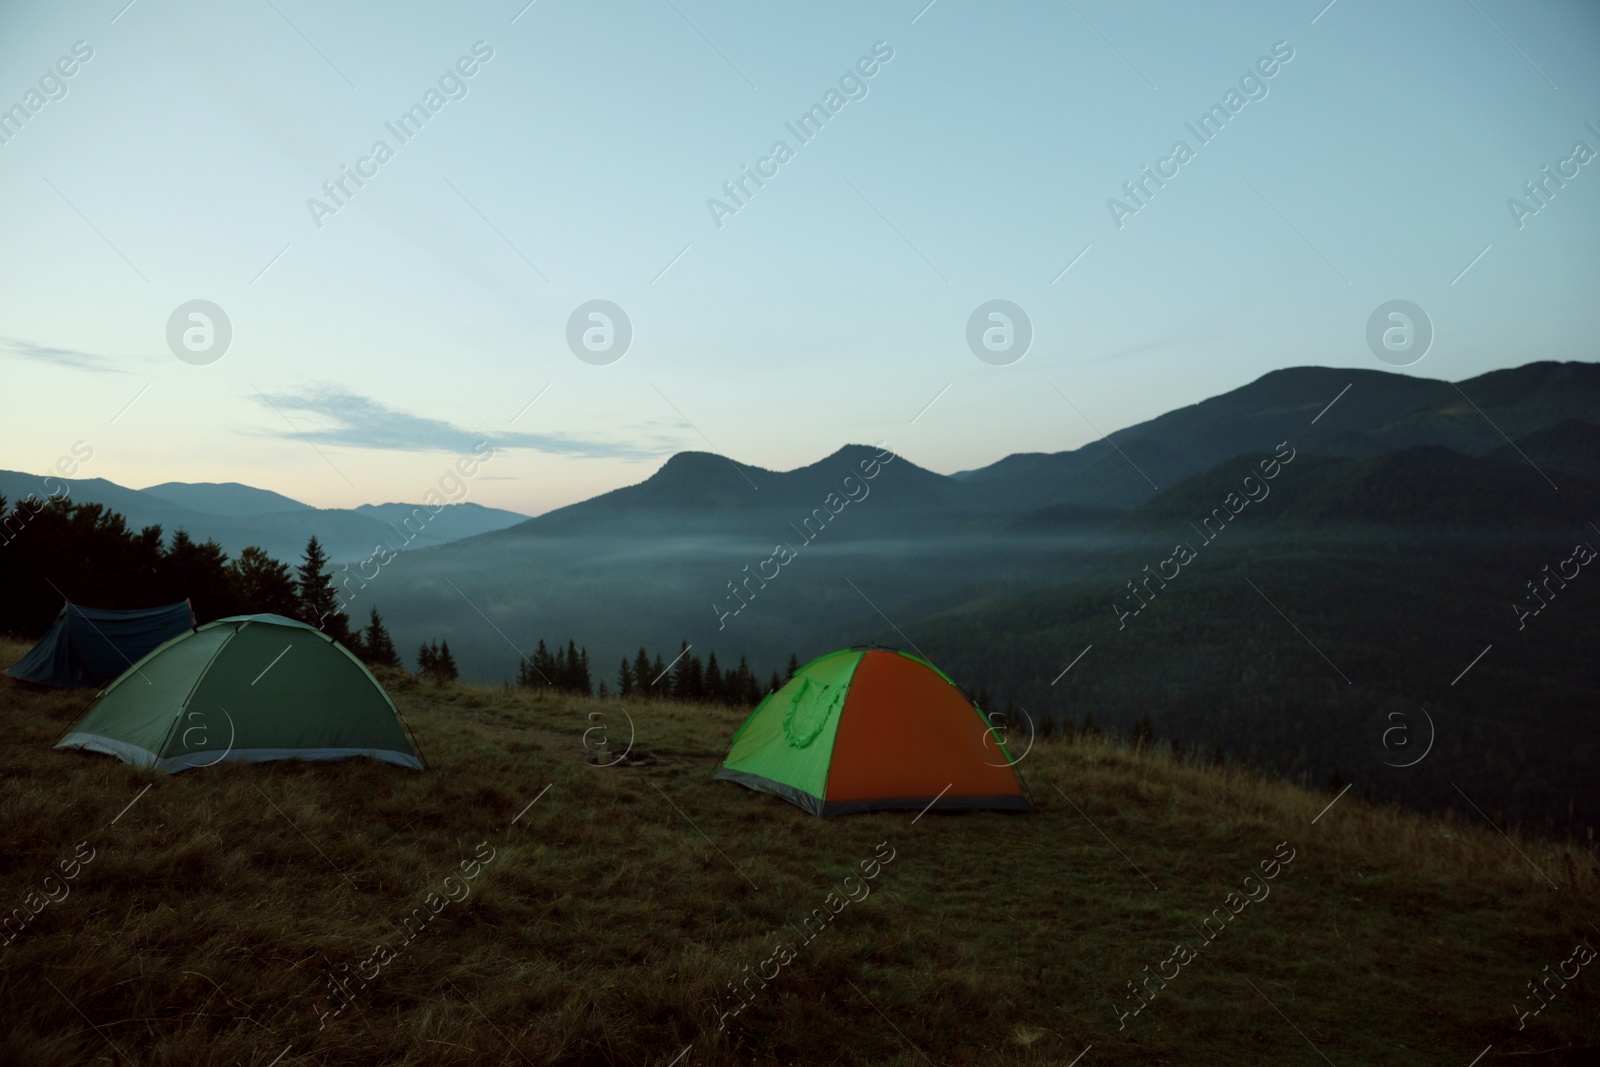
(873, 729)
(249, 688)
(87, 647)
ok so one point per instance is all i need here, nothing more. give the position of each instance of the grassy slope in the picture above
(607, 924)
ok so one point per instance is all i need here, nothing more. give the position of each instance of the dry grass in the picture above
(616, 911)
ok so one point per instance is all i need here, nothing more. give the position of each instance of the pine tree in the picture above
(752, 693)
(1089, 729)
(319, 603)
(377, 646)
(446, 664)
(355, 640)
(581, 675)
(695, 687)
(794, 665)
(533, 672)
(262, 584)
(561, 671)
(602, 693)
(713, 682)
(775, 683)
(544, 666)
(575, 674)
(625, 679)
(660, 686)
(742, 690)
(641, 672)
(199, 572)
(680, 674)
(425, 660)
(314, 584)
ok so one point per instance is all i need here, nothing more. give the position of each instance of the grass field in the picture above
(209, 913)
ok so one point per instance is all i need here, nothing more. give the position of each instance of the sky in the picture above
(377, 333)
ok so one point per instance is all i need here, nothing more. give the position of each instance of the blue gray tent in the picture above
(88, 647)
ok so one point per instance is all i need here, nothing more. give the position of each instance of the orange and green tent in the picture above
(873, 729)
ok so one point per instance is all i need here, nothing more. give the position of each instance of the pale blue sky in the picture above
(833, 307)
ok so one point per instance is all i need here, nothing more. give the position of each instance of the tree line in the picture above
(87, 554)
(686, 678)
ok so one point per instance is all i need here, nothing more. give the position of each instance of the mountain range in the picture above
(651, 562)
(1372, 412)
(1538, 415)
(237, 515)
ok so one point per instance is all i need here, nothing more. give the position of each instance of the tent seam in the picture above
(183, 705)
(843, 708)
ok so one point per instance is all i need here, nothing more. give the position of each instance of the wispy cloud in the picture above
(1140, 348)
(73, 358)
(332, 415)
(1192, 335)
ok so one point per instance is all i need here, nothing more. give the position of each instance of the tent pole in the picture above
(77, 718)
(411, 734)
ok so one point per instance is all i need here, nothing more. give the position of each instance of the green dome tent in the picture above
(249, 688)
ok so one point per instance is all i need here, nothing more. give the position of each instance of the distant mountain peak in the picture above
(693, 467)
(236, 515)
(689, 460)
(853, 452)
(694, 460)
(231, 499)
